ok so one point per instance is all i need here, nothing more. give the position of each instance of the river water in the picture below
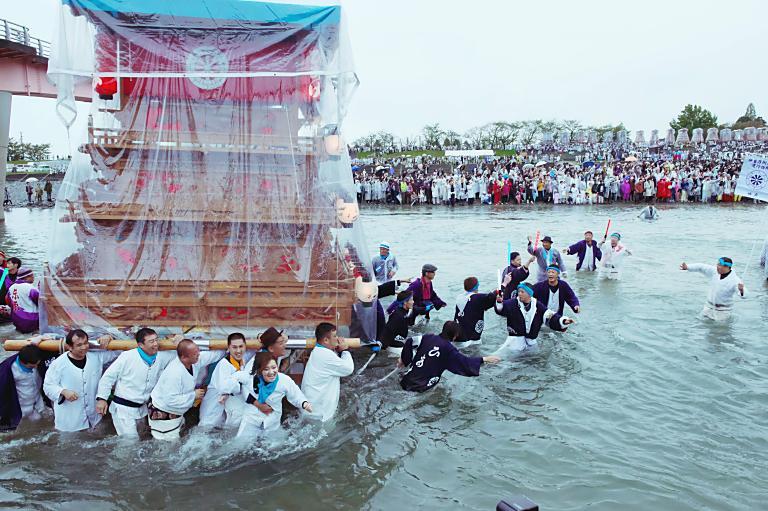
(640, 405)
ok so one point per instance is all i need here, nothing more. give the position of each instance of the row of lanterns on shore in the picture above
(681, 138)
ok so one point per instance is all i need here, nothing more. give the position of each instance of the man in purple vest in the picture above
(587, 251)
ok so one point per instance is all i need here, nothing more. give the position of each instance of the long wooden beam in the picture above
(57, 345)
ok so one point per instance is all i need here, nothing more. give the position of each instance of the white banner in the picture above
(753, 178)
(470, 152)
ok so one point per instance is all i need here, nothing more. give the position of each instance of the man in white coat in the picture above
(133, 376)
(328, 363)
(613, 257)
(72, 381)
(223, 402)
(724, 284)
(175, 391)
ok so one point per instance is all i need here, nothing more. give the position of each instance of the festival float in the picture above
(212, 191)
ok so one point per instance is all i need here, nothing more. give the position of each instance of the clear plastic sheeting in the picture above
(213, 188)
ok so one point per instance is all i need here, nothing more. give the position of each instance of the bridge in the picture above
(23, 67)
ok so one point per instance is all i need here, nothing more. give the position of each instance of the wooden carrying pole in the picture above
(167, 344)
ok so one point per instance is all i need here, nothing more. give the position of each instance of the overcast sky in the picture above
(462, 64)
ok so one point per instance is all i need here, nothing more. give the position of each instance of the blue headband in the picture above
(723, 262)
(477, 286)
(616, 235)
(553, 268)
(525, 287)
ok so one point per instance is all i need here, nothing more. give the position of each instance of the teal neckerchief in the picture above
(148, 359)
(266, 389)
(5, 275)
(23, 367)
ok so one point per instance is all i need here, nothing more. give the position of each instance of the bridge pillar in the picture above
(5, 133)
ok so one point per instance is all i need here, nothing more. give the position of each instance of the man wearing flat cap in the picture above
(424, 295)
(546, 256)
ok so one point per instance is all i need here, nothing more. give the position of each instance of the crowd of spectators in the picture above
(574, 174)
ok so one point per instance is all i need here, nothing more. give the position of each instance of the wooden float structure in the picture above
(219, 194)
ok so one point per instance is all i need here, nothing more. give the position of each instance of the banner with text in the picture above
(753, 178)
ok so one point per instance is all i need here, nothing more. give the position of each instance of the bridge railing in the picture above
(19, 34)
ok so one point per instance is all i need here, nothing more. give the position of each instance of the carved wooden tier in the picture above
(171, 140)
(226, 211)
(168, 261)
(174, 303)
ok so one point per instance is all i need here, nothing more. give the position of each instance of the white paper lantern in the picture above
(654, 138)
(670, 138)
(608, 137)
(737, 135)
(726, 135)
(712, 135)
(333, 144)
(682, 136)
(750, 134)
(640, 137)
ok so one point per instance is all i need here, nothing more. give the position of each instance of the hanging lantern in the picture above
(654, 138)
(670, 138)
(750, 134)
(726, 135)
(366, 292)
(105, 87)
(347, 212)
(682, 137)
(640, 137)
(333, 144)
(697, 136)
(711, 135)
(738, 135)
(762, 134)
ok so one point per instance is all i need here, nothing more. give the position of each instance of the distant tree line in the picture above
(502, 135)
(18, 151)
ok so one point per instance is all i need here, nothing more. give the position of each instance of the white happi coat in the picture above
(721, 291)
(223, 382)
(64, 375)
(133, 380)
(322, 379)
(612, 261)
(175, 390)
(254, 421)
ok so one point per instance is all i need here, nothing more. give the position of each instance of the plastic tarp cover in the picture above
(213, 186)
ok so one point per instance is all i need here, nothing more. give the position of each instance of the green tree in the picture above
(433, 135)
(694, 116)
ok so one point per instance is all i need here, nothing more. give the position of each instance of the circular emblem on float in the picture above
(757, 179)
(209, 61)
